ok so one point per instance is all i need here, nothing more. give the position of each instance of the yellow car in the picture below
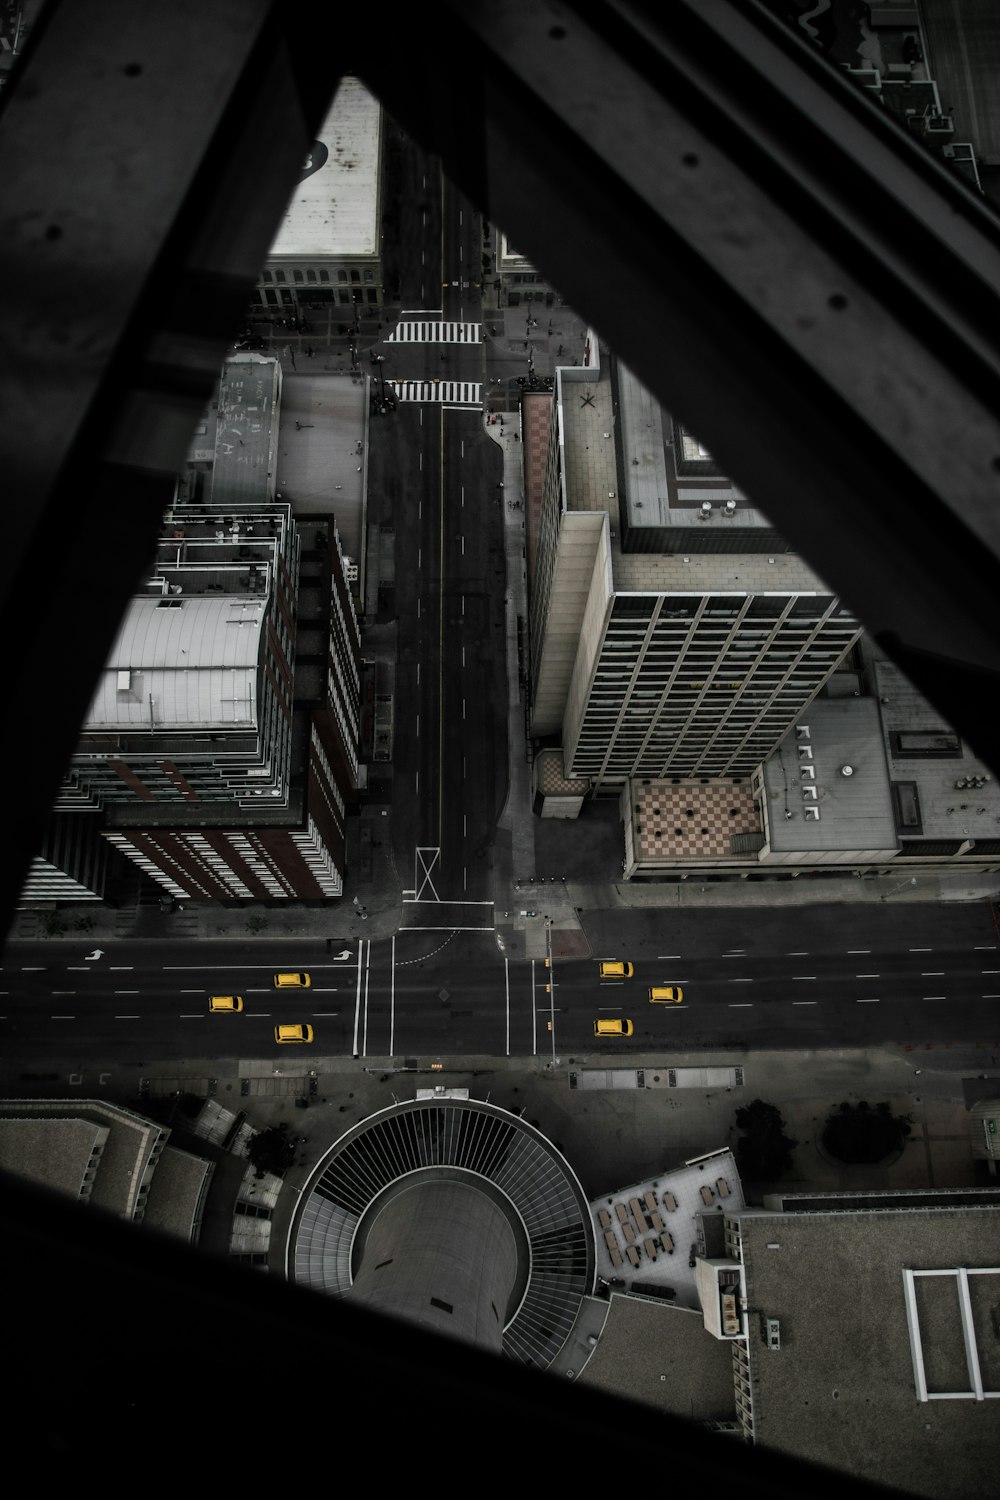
(299, 1033)
(666, 994)
(292, 981)
(225, 1002)
(616, 970)
(613, 1028)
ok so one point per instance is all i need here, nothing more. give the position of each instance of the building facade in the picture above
(672, 632)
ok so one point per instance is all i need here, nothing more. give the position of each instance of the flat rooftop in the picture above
(334, 209)
(589, 423)
(841, 1388)
(245, 455)
(922, 748)
(181, 663)
(841, 760)
(680, 1198)
(662, 1356)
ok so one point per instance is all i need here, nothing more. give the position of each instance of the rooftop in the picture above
(181, 663)
(664, 1247)
(922, 749)
(832, 765)
(663, 1357)
(245, 466)
(334, 209)
(840, 1390)
(588, 419)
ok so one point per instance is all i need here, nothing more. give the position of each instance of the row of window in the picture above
(284, 298)
(319, 277)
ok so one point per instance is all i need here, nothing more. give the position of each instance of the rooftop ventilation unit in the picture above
(730, 507)
(847, 770)
(706, 509)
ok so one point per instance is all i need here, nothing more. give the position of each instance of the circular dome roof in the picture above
(464, 1140)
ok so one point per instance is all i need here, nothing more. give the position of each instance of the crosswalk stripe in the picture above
(456, 392)
(436, 333)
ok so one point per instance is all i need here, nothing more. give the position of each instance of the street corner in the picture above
(570, 941)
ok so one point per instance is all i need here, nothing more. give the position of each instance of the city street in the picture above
(912, 976)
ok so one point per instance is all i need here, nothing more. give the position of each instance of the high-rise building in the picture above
(672, 631)
(218, 764)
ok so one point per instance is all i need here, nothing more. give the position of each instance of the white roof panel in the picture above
(334, 209)
(192, 663)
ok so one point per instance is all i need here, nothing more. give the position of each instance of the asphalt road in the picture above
(833, 978)
(434, 479)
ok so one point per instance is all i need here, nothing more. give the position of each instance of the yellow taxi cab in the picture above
(616, 970)
(297, 1033)
(613, 1027)
(292, 981)
(666, 994)
(225, 1002)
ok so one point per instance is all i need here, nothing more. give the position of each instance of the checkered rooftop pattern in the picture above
(536, 416)
(690, 819)
(550, 775)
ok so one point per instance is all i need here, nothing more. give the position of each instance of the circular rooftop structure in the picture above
(455, 1214)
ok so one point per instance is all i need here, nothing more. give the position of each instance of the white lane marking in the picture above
(920, 950)
(258, 1015)
(989, 971)
(120, 968)
(741, 981)
(418, 726)
(985, 948)
(868, 976)
(870, 1000)
(741, 1005)
(934, 997)
(805, 1002)
(803, 976)
(357, 996)
(859, 950)
(931, 973)
(77, 968)
(64, 992)
(33, 968)
(62, 1018)
(127, 1018)
(317, 1013)
(506, 986)
(991, 997)
(798, 953)
(737, 954)
(191, 1015)
(668, 955)
(368, 975)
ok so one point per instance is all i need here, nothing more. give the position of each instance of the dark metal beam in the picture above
(148, 153)
(787, 269)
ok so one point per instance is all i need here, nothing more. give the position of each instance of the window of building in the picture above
(310, 275)
(297, 275)
(369, 275)
(324, 276)
(266, 276)
(279, 275)
(372, 295)
(355, 276)
(344, 298)
(341, 275)
(286, 296)
(272, 297)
